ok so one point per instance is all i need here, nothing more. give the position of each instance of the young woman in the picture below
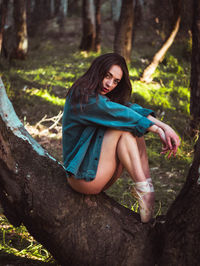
(103, 133)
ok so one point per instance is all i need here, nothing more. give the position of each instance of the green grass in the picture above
(18, 243)
(38, 86)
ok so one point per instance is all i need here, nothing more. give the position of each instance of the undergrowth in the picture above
(37, 88)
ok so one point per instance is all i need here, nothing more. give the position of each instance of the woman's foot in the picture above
(144, 192)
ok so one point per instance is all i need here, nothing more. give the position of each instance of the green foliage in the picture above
(38, 86)
(18, 242)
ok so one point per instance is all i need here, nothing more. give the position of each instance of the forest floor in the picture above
(37, 88)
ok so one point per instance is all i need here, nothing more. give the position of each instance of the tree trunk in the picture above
(116, 10)
(40, 12)
(21, 49)
(89, 229)
(76, 229)
(3, 13)
(159, 56)
(62, 15)
(195, 70)
(181, 231)
(98, 25)
(123, 34)
(88, 18)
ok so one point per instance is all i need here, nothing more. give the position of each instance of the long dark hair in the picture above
(91, 81)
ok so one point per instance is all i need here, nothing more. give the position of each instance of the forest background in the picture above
(54, 57)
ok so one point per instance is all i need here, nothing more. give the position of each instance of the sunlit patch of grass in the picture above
(53, 69)
(17, 241)
(47, 96)
(133, 72)
(170, 90)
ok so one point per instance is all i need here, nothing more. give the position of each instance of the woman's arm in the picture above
(167, 135)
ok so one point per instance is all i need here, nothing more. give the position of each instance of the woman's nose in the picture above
(110, 82)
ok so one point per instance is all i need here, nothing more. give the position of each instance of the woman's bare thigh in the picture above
(107, 166)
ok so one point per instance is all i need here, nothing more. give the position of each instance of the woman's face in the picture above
(111, 79)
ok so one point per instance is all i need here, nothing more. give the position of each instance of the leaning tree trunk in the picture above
(88, 21)
(21, 49)
(181, 236)
(76, 229)
(89, 230)
(159, 56)
(195, 70)
(123, 34)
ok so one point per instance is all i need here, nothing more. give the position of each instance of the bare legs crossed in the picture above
(121, 149)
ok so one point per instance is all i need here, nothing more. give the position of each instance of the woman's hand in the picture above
(172, 141)
(162, 136)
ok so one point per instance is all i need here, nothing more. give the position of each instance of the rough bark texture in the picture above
(88, 32)
(158, 57)
(21, 48)
(76, 229)
(181, 235)
(195, 70)
(123, 34)
(89, 230)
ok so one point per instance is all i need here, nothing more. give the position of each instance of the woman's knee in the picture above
(128, 137)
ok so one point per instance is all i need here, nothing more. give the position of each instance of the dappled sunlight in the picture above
(133, 72)
(38, 87)
(44, 94)
(19, 243)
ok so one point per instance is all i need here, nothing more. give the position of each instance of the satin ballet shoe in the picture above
(144, 193)
(151, 184)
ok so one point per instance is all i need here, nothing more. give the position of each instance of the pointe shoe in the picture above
(144, 193)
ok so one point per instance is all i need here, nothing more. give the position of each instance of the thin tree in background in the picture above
(123, 34)
(116, 10)
(63, 8)
(88, 21)
(195, 70)
(3, 13)
(21, 49)
(159, 56)
(98, 25)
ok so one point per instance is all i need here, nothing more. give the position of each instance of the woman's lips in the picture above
(105, 90)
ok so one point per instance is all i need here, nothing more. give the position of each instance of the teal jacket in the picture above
(83, 131)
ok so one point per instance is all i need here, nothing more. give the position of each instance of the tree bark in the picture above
(123, 34)
(159, 56)
(3, 13)
(76, 229)
(181, 231)
(195, 69)
(98, 25)
(89, 229)
(21, 49)
(88, 33)
(116, 10)
(63, 9)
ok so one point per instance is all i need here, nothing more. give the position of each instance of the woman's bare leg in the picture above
(121, 147)
(109, 167)
(116, 175)
(143, 156)
(117, 146)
